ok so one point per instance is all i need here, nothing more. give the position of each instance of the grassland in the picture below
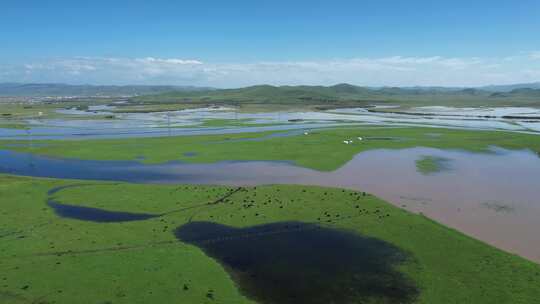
(48, 259)
(15, 125)
(19, 111)
(13, 111)
(320, 149)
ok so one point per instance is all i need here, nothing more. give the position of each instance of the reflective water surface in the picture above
(293, 262)
(493, 197)
(95, 214)
(189, 121)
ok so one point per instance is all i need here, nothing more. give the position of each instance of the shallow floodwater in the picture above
(102, 129)
(492, 196)
(482, 111)
(187, 122)
(91, 214)
(95, 214)
(293, 262)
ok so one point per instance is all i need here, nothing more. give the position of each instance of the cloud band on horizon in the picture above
(383, 71)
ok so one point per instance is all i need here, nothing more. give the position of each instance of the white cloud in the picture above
(410, 60)
(391, 71)
(30, 66)
(534, 74)
(535, 55)
(167, 61)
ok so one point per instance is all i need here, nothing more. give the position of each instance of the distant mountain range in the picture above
(59, 90)
(56, 89)
(336, 95)
(511, 87)
(347, 94)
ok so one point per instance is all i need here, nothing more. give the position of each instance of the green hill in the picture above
(519, 93)
(346, 94)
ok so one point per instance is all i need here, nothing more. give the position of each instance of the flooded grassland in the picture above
(227, 244)
(200, 219)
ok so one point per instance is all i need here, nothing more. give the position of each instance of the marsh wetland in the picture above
(259, 152)
(216, 205)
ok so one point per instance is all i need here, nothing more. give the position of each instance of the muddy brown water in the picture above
(462, 198)
(294, 262)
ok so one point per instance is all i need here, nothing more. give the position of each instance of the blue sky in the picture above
(236, 43)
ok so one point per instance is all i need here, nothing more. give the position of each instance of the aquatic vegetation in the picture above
(428, 164)
(499, 207)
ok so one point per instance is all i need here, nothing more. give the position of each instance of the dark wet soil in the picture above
(294, 262)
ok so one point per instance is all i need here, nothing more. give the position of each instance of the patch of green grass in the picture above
(322, 149)
(225, 122)
(48, 259)
(27, 110)
(18, 126)
(16, 113)
(432, 164)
